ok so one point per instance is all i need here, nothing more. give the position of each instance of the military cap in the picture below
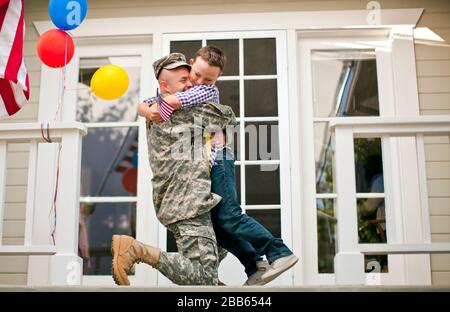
(171, 61)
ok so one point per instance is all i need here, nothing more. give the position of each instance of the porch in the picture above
(66, 267)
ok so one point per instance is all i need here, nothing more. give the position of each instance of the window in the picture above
(109, 164)
(345, 85)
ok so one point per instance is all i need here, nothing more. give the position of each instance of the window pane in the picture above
(262, 184)
(368, 166)
(261, 141)
(371, 220)
(345, 83)
(323, 153)
(98, 222)
(260, 56)
(372, 229)
(188, 48)
(93, 109)
(269, 218)
(230, 47)
(261, 99)
(229, 94)
(326, 235)
(109, 161)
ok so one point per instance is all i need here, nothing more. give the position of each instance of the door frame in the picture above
(392, 81)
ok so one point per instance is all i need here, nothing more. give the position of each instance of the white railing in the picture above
(349, 259)
(64, 254)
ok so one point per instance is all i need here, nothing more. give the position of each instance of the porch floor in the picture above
(6, 288)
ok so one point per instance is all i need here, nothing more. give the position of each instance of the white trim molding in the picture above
(300, 20)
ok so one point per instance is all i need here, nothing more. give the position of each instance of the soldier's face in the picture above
(202, 73)
(179, 81)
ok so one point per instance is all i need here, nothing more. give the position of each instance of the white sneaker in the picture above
(279, 266)
(255, 279)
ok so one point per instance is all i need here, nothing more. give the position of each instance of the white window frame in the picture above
(146, 223)
(153, 27)
(392, 81)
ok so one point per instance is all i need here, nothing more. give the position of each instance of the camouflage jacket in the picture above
(181, 183)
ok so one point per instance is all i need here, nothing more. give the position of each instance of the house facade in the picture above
(342, 141)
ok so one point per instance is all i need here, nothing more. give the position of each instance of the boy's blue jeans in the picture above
(240, 234)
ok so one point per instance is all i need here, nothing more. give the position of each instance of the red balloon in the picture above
(129, 180)
(2, 2)
(51, 48)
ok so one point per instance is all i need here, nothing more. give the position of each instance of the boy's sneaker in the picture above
(279, 266)
(256, 278)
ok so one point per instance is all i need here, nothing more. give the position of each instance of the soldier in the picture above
(181, 189)
(235, 231)
(240, 234)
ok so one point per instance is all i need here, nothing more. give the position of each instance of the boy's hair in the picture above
(213, 56)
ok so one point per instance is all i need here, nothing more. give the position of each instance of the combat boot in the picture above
(127, 251)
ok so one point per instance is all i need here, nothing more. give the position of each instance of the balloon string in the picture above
(62, 81)
(61, 89)
(55, 196)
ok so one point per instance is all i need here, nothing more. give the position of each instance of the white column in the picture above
(31, 188)
(415, 216)
(66, 266)
(348, 262)
(3, 147)
(38, 266)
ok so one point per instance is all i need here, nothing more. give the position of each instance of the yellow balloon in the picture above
(109, 82)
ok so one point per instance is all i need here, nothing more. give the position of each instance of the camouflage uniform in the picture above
(182, 191)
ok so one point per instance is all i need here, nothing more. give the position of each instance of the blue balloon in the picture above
(134, 160)
(67, 14)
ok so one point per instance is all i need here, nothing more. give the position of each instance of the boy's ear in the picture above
(191, 61)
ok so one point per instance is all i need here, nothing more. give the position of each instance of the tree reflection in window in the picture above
(356, 95)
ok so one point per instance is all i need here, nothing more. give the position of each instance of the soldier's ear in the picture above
(163, 84)
(191, 61)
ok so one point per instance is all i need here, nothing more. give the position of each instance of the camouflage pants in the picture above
(197, 260)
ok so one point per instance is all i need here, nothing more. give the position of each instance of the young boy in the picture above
(230, 224)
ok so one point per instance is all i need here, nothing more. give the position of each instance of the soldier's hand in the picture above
(153, 114)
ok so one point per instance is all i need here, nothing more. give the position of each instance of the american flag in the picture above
(127, 155)
(14, 81)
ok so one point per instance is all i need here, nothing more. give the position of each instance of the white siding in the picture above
(433, 64)
(433, 71)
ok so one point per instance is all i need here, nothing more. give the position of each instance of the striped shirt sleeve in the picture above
(165, 109)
